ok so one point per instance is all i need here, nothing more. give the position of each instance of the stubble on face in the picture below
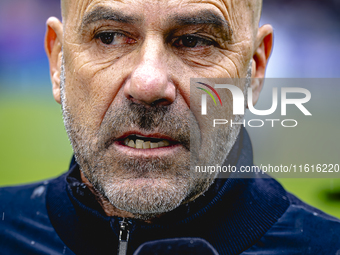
(146, 187)
(143, 187)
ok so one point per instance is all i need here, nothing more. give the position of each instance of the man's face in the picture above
(126, 82)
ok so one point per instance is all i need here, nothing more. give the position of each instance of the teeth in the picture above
(141, 144)
(154, 145)
(131, 144)
(146, 145)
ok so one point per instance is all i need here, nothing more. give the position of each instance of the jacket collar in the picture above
(232, 215)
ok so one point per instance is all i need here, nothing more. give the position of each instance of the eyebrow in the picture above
(205, 17)
(104, 13)
(202, 17)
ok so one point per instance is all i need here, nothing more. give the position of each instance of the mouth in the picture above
(146, 142)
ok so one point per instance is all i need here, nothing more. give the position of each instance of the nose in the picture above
(150, 83)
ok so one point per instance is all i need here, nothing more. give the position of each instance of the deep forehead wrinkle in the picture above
(105, 13)
(204, 17)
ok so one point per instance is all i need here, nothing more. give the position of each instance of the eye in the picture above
(191, 41)
(114, 38)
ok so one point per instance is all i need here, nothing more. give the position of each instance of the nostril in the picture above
(158, 102)
(161, 101)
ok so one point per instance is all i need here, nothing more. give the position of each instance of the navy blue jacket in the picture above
(235, 216)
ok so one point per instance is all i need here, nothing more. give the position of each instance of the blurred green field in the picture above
(34, 146)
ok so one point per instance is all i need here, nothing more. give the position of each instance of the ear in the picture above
(263, 49)
(53, 46)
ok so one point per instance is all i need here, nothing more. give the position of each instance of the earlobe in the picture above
(263, 48)
(53, 48)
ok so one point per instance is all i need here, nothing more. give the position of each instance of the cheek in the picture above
(223, 112)
(225, 64)
(182, 73)
(206, 122)
(92, 86)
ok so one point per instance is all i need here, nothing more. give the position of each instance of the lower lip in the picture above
(159, 152)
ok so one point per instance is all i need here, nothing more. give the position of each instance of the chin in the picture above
(147, 197)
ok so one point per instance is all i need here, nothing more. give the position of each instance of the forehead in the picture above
(155, 12)
(161, 5)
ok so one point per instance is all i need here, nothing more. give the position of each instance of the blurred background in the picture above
(34, 144)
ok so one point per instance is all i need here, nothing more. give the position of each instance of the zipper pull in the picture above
(124, 227)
